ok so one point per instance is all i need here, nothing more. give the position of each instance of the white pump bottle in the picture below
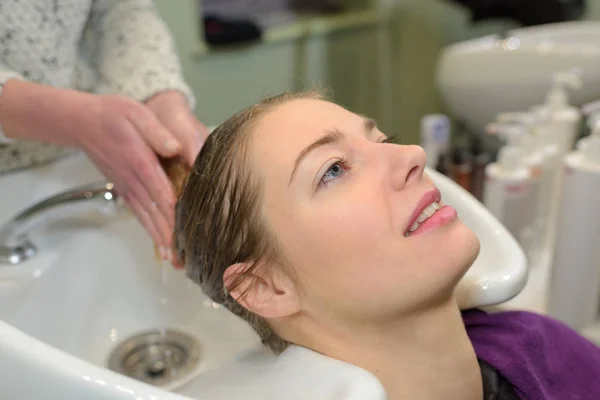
(574, 291)
(435, 137)
(562, 119)
(533, 157)
(508, 183)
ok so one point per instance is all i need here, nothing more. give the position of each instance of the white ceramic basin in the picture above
(500, 271)
(96, 282)
(480, 78)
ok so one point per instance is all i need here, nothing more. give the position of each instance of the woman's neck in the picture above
(425, 357)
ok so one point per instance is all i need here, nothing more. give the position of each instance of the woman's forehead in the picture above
(287, 129)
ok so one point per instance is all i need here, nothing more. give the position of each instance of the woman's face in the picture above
(342, 205)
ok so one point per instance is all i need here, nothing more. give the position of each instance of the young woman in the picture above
(307, 221)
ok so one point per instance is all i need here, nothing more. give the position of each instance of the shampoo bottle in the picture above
(435, 140)
(575, 279)
(533, 158)
(563, 118)
(508, 183)
(547, 138)
(532, 235)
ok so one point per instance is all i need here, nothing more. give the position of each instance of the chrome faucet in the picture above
(15, 246)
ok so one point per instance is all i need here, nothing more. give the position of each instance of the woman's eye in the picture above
(391, 139)
(335, 171)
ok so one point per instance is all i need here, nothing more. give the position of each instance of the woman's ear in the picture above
(267, 291)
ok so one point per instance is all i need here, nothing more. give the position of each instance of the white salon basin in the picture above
(96, 282)
(480, 78)
(500, 271)
(107, 286)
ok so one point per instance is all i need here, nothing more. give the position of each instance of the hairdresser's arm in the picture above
(137, 57)
(121, 136)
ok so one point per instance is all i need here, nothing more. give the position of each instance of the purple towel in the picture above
(544, 359)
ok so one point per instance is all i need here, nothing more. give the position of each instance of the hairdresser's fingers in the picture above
(139, 178)
(183, 128)
(164, 227)
(173, 111)
(162, 141)
(143, 190)
(187, 129)
(142, 215)
(153, 185)
(176, 261)
(162, 224)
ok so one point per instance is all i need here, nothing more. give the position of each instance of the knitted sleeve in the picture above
(5, 75)
(135, 53)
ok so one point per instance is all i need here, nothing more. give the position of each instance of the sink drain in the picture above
(158, 357)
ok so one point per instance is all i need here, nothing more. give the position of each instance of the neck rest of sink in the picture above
(296, 374)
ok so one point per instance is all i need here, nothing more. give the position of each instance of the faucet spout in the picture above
(15, 246)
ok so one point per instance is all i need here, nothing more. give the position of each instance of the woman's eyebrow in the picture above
(331, 137)
(370, 124)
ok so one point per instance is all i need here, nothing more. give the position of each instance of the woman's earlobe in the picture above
(267, 294)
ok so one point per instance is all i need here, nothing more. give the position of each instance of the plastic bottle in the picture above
(507, 190)
(562, 118)
(574, 289)
(533, 159)
(548, 141)
(435, 138)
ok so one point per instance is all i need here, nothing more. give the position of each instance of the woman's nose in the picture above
(407, 163)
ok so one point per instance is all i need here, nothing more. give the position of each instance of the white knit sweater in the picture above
(101, 46)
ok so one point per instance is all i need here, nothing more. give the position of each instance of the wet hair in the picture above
(218, 219)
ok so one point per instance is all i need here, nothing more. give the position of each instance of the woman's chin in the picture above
(458, 246)
(467, 241)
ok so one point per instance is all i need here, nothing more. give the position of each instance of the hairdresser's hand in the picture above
(123, 137)
(172, 110)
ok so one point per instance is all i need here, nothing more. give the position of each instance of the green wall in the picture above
(421, 29)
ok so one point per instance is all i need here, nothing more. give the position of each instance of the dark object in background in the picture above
(525, 12)
(220, 32)
(317, 6)
(480, 159)
(444, 165)
(461, 168)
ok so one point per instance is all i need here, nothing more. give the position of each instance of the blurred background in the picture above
(378, 56)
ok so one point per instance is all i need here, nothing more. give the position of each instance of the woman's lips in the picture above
(428, 198)
(443, 216)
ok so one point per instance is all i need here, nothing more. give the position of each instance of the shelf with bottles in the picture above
(544, 188)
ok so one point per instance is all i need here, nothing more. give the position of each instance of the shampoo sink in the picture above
(94, 314)
(483, 77)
